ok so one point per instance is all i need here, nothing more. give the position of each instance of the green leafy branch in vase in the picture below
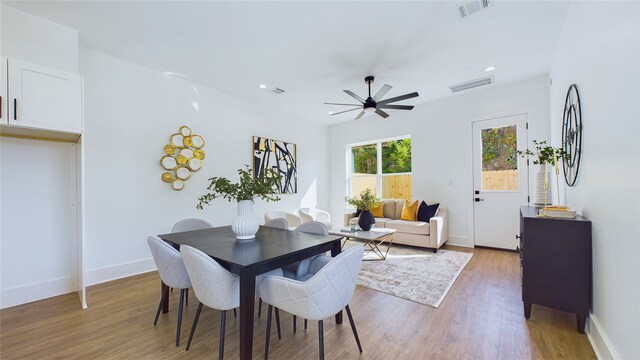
(365, 201)
(263, 187)
(544, 153)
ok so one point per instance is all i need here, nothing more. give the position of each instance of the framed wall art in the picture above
(276, 157)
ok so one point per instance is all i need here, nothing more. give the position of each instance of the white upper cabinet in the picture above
(43, 98)
(3, 92)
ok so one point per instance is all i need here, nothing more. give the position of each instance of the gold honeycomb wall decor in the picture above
(183, 156)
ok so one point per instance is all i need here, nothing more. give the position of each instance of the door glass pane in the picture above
(361, 183)
(365, 159)
(396, 156)
(396, 186)
(499, 161)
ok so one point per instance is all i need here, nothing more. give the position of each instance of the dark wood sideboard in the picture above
(555, 263)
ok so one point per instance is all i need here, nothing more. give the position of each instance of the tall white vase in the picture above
(245, 225)
(539, 196)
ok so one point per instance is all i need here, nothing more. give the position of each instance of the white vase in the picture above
(539, 194)
(245, 225)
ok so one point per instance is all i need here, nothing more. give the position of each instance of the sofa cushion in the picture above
(380, 222)
(399, 206)
(426, 212)
(409, 211)
(389, 209)
(377, 210)
(409, 227)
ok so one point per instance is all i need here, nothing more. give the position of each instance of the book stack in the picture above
(557, 211)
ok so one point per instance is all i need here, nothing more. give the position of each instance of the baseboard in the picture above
(36, 291)
(463, 241)
(599, 340)
(114, 272)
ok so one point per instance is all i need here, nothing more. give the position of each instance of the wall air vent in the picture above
(471, 84)
(472, 7)
(277, 91)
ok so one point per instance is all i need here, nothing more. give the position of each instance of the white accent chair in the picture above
(278, 223)
(190, 224)
(323, 295)
(214, 286)
(173, 274)
(301, 268)
(312, 214)
(292, 219)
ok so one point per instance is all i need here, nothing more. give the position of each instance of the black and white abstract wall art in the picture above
(276, 157)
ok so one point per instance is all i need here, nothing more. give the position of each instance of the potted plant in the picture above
(543, 155)
(365, 202)
(245, 225)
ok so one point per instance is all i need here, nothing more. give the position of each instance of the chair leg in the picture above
(259, 307)
(266, 342)
(305, 324)
(186, 297)
(278, 323)
(321, 339)
(182, 292)
(235, 314)
(163, 298)
(353, 327)
(294, 324)
(193, 326)
(223, 320)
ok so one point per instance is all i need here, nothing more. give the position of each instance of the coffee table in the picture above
(373, 239)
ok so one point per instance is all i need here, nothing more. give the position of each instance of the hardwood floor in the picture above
(481, 318)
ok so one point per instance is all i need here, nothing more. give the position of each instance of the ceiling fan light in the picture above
(369, 110)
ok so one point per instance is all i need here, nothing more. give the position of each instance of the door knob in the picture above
(479, 199)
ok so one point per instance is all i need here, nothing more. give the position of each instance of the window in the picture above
(383, 166)
(499, 160)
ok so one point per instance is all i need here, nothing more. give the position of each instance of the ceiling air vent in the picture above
(472, 7)
(471, 84)
(277, 91)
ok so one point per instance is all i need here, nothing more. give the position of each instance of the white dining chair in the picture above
(313, 214)
(278, 223)
(323, 295)
(300, 269)
(292, 219)
(173, 274)
(190, 224)
(214, 286)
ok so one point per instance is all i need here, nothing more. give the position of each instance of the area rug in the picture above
(414, 274)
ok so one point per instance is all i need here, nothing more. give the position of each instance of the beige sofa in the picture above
(415, 233)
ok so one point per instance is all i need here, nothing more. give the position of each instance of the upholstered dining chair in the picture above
(190, 224)
(323, 295)
(173, 274)
(312, 214)
(214, 286)
(292, 219)
(278, 223)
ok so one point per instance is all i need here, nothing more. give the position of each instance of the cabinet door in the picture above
(3, 92)
(44, 98)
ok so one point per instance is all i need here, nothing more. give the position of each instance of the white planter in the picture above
(245, 225)
(539, 196)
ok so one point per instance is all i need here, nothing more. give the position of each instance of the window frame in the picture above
(349, 164)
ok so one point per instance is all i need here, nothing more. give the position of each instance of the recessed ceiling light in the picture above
(490, 68)
(262, 86)
(330, 112)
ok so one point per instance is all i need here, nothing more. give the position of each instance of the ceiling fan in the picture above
(374, 104)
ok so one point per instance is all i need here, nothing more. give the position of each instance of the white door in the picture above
(499, 179)
(3, 92)
(44, 98)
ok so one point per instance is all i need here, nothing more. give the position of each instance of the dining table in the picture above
(271, 248)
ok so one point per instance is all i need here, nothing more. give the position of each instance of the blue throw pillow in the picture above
(426, 212)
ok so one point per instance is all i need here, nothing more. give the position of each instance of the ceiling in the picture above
(314, 50)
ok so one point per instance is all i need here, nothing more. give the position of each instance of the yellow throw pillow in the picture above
(377, 211)
(409, 211)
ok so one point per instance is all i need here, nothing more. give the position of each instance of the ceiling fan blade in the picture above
(359, 115)
(396, 107)
(382, 92)
(382, 113)
(354, 95)
(398, 98)
(343, 104)
(358, 108)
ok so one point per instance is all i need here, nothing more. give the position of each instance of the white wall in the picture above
(599, 50)
(130, 111)
(441, 145)
(34, 39)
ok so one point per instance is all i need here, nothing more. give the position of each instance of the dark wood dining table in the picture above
(272, 248)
